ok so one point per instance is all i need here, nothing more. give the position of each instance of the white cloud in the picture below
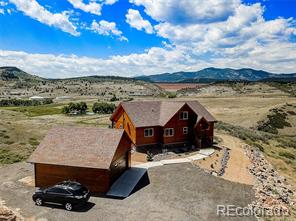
(34, 10)
(135, 20)
(110, 2)
(2, 3)
(275, 57)
(107, 28)
(235, 36)
(188, 11)
(93, 7)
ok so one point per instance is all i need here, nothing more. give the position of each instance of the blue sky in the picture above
(64, 38)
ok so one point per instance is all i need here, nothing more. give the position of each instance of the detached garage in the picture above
(92, 156)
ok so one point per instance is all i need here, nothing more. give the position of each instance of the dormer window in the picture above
(184, 115)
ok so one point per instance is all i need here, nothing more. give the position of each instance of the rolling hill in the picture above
(216, 74)
(16, 74)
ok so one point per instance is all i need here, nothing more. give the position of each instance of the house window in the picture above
(205, 126)
(184, 115)
(169, 132)
(148, 132)
(185, 130)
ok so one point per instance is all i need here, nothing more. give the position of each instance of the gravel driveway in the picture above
(175, 192)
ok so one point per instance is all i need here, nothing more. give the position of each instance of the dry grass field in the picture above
(179, 86)
(239, 107)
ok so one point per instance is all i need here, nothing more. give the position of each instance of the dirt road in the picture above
(238, 163)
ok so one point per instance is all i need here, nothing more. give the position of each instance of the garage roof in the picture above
(78, 146)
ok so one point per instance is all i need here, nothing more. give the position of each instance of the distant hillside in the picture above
(207, 75)
(216, 74)
(16, 74)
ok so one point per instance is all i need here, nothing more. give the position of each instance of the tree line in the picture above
(81, 108)
(22, 102)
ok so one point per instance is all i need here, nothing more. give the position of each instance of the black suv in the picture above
(67, 193)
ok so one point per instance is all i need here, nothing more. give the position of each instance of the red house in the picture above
(165, 123)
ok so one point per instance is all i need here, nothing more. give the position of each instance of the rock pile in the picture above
(8, 214)
(224, 161)
(273, 193)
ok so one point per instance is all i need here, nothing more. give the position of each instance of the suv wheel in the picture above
(38, 201)
(68, 206)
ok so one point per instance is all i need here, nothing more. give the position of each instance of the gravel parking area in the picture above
(174, 192)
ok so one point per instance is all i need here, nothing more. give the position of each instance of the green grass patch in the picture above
(248, 135)
(34, 111)
(9, 157)
(33, 141)
(172, 95)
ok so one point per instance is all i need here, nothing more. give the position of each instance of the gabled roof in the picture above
(78, 146)
(158, 113)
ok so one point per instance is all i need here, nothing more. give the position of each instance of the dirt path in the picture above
(238, 163)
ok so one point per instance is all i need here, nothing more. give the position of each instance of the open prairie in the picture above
(178, 86)
(238, 108)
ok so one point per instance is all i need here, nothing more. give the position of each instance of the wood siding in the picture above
(142, 140)
(177, 124)
(200, 133)
(96, 180)
(122, 120)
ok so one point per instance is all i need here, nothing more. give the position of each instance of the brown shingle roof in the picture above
(158, 113)
(78, 146)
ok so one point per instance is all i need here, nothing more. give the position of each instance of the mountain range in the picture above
(206, 75)
(217, 74)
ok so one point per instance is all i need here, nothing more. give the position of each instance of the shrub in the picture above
(114, 98)
(172, 95)
(287, 155)
(149, 156)
(103, 108)
(291, 112)
(66, 110)
(275, 120)
(8, 157)
(33, 141)
(20, 102)
(78, 108)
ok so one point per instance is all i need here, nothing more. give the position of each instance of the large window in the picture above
(185, 130)
(169, 132)
(184, 115)
(148, 132)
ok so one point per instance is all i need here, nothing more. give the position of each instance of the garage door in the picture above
(118, 167)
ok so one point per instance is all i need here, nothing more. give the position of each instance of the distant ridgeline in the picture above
(210, 75)
(16, 74)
